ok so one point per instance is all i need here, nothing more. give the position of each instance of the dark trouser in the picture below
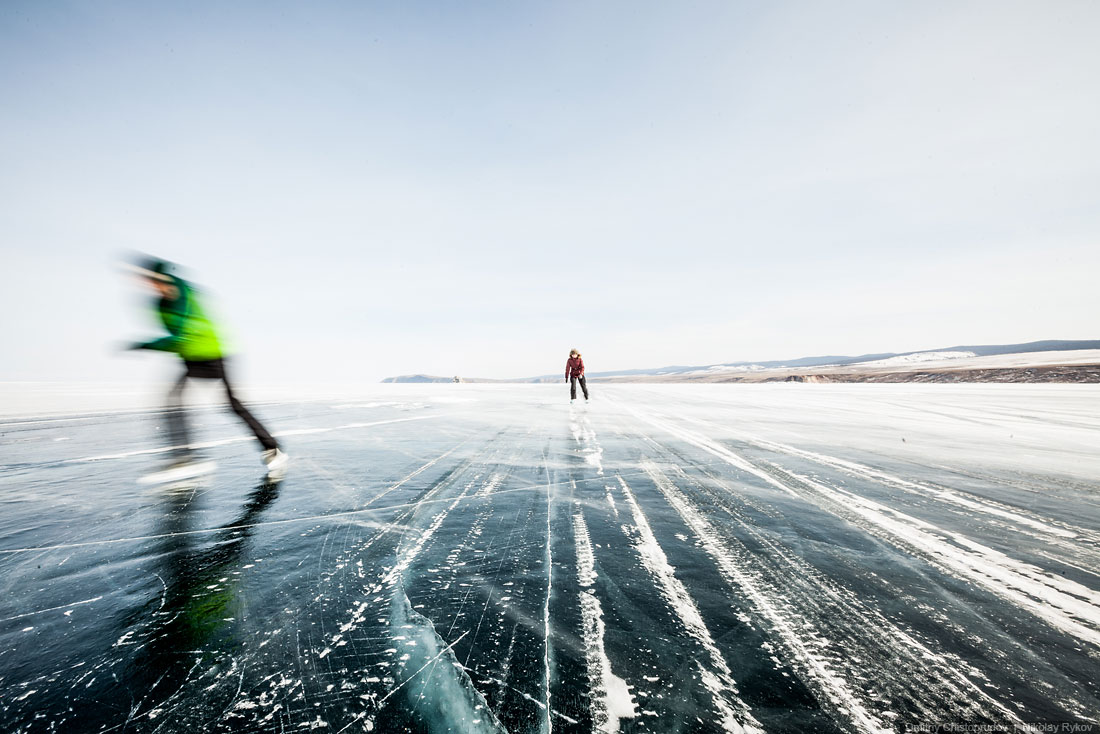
(211, 369)
(573, 387)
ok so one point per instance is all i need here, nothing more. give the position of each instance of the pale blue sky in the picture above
(372, 189)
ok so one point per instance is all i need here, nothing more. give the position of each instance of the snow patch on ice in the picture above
(1065, 604)
(718, 678)
(985, 507)
(610, 694)
(1062, 602)
(824, 681)
(611, 500)
(583, 434)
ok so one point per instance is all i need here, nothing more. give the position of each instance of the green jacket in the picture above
(191, 334)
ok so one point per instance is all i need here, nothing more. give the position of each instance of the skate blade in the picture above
(179, 473)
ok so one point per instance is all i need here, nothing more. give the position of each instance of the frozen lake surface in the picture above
(463, 558)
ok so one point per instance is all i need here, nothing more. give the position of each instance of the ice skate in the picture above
(276, 461)
(179, 469)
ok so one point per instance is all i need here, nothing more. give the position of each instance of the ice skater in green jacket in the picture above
(193, 337)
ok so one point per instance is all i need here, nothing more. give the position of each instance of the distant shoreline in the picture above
(1068, 374)
(1076, 373)
(1061, 366)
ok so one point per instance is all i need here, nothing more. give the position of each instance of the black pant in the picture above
(573, 387)
(210, 369)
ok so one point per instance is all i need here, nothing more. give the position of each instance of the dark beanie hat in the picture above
(151, 267)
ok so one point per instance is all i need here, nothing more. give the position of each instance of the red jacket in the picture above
(574, 366)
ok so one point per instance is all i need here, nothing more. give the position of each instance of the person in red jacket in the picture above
(574, 373)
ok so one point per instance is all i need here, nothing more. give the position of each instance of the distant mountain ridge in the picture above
(983, 350)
